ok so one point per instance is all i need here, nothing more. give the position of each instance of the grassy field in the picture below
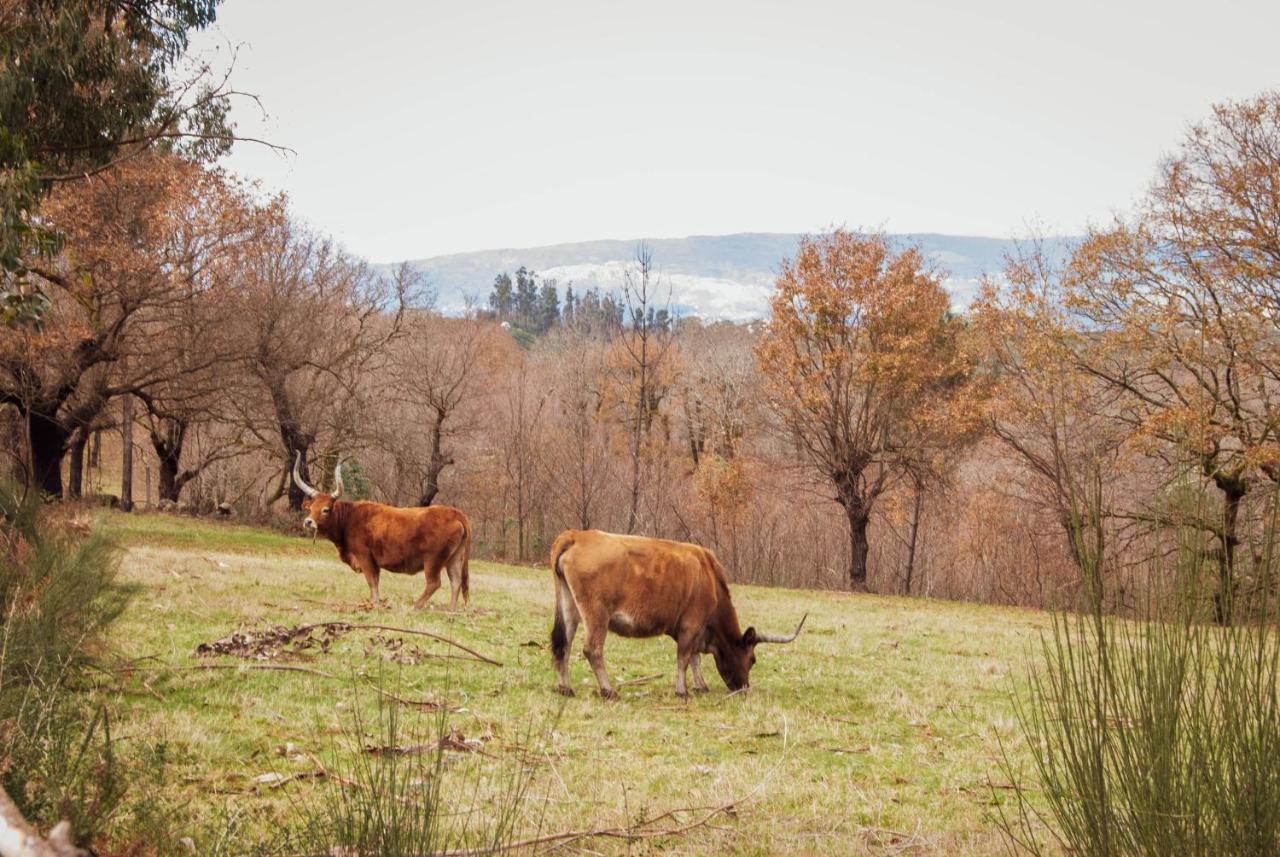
(876, 732)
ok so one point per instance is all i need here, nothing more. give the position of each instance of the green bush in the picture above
(58, 593)
(1154, 737)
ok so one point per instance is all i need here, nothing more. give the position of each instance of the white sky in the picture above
(424, 128)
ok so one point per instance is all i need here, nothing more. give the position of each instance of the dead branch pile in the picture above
(270, 643)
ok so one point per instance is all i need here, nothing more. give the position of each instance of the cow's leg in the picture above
(686, 654)
(699, 683)
(682, 664)
(562, 633)
(454, 569)
(431, 568)
(593, 648)
(369, 568)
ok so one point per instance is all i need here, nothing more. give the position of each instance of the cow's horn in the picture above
(779, 638)
(297, 476)
(337, 480)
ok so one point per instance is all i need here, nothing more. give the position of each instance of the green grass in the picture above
(877, 731)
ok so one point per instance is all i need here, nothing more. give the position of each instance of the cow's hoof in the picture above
(684, 696)
(702, 690)
(564, 691)
(609, 694)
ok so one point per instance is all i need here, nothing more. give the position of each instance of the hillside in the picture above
(713, 276)
(877, 731)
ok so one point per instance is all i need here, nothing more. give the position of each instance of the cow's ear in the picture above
(750, 638)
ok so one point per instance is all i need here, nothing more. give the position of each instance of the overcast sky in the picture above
(429, 128)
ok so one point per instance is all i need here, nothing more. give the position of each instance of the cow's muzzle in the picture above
(308, 524)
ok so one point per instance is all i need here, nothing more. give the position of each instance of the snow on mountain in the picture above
(727, 277)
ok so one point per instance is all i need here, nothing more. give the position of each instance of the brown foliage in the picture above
(866, 368)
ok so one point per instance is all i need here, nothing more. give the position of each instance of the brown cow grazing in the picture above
(371, 537)
(642, 587)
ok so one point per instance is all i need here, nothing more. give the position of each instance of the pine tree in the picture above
(610, 313)
(568, 316)
(526, 309)
(501, 300)
(548, 306)
(588, 310)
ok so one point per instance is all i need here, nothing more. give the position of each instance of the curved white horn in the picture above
(297, 476)
(779, 638)
(337, 480)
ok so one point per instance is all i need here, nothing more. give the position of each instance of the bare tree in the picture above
(579, 465)
(717, 388)
(315, 320)
(442, 365)
(520, 447)
(644, 347)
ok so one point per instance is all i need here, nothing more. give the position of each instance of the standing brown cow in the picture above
(371, 537)
(642, 587)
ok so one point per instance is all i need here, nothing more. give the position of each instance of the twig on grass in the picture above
(641, 680)
(454, 741)
(421, 704)
(281, 667)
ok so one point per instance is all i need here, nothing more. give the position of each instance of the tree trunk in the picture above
(914, 540)
(295, 440)
(292, 449)
(435, 465)
(858, 520)
(635, 479)
(126, 455)
(168, 476)
(1233, 492)
(168, 438)
(48, 440)
(694, 432)
(857, 509)
(75, 466)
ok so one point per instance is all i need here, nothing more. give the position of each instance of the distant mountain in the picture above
(712, 276)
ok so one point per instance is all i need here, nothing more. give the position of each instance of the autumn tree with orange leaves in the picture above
(139, 238)
(1181, 302)
(1054, 419)
(867, 369)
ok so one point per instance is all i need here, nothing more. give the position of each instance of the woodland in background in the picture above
(866, 436)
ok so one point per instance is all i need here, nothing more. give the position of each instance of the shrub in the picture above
(1154, 737)
(58, 593)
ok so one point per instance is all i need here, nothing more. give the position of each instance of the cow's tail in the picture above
(564, 598)
(466, 560)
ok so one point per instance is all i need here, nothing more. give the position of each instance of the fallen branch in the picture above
(641, 680)
(281, 667)
(454, 741)
(19, 839)
(421, 704)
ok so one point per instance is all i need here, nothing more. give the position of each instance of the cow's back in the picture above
(653, 582)
(402, 539)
